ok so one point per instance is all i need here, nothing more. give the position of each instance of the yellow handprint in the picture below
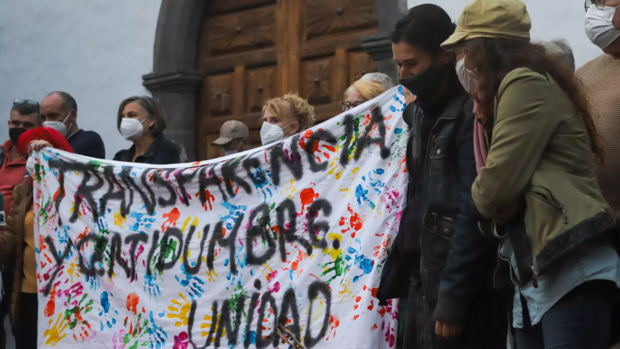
(56, 333)
(180, 310)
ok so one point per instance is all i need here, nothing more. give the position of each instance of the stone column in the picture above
(379, 46)
(177, 93)
(175, 82)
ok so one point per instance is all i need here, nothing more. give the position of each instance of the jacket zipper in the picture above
(534, 266)
(552, 201)
(507, 260)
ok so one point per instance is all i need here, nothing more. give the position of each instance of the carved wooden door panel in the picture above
(328, 50)
(253, 50)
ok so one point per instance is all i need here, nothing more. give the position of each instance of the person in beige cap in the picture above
(234, 137)
(538, 183)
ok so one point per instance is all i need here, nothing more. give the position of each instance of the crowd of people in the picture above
(510, 228)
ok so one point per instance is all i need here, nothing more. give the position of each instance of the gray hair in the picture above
(152, 107)
(380, 78)
(560, 49)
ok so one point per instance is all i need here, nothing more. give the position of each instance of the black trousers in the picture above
(25, 328)
(5, 304)
(486, 326)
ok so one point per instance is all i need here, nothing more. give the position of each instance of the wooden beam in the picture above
(282, 47)
(341, 75)
(328, 44)
(238, 91)
(216, 65)
(294, 38)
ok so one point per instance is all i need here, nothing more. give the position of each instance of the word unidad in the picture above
(267, 304)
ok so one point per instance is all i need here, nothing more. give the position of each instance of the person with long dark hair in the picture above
(538, 182)
(439, 261)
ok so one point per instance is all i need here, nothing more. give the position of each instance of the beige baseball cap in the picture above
(230, 130)
(506, 19)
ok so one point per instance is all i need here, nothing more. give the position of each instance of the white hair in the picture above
(561, 49)
(380, 78)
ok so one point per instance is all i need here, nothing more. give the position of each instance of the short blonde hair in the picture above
(368, 89)
(291, 107)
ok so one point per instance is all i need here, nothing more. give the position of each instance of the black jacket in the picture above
(161, 151)
(454, 259)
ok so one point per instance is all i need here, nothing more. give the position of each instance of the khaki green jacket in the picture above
(540, 150)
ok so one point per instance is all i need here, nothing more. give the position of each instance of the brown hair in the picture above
(153, 109)
(297, 109)
(494, 58)
(368, 89)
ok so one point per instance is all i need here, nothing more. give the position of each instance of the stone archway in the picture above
(175, 81)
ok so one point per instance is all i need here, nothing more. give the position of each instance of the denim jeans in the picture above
(579, 320)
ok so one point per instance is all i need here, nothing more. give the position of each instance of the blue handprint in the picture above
(142, 221)
(261, 180)
(93, 281)
(234, 212)
(105, 312)
(362, 195)
(150, 286)
(363, 262)
(192, 283)
(397, 98)
(157, 335)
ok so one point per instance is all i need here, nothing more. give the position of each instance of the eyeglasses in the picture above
(348, 105)
(26, 102)
(600, 4)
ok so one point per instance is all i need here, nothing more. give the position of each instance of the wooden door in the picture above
(253, 50)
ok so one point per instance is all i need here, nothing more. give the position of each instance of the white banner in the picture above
(281, 243)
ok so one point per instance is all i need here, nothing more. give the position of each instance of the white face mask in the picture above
(270, 133)
(132, 129)
(58, 125)
(599, 26)
(467, 77)
(30, 166)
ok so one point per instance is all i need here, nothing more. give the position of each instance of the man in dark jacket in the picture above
(451, 301)
(59, 111)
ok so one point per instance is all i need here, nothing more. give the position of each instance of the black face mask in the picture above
(426, 83)
(14, 134)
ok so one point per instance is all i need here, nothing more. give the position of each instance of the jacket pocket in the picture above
(438, 155)
(436, 236)
(545, 196)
